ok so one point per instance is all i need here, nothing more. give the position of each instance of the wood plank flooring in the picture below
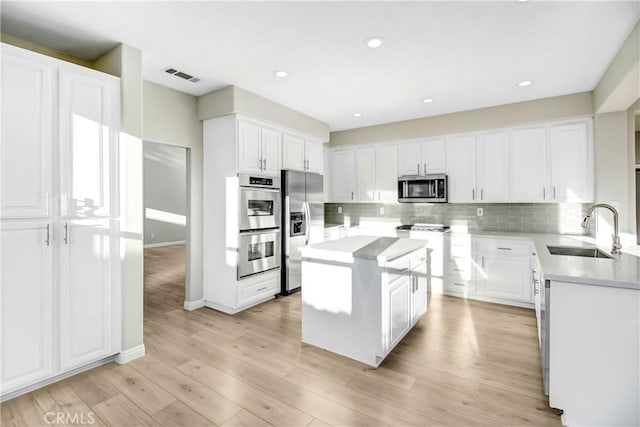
(466, 363)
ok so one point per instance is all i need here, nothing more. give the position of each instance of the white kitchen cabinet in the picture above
(300, 154)
(366, 174)
(88, 303)
(89, 112)
(528, 165)
(386, 173)
(461, 169)
(26, 303)
(315, 156)
(492, 162)
(570, 163)
(504, 269)
(398, 299)
(343, 175)
(26, 162)
(259, 149)
(59, 295)
(421, 157)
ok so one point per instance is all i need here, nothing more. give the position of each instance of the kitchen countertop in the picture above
(623, 271)
(382, 249)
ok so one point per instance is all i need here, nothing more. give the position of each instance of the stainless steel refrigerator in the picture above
(302, 222)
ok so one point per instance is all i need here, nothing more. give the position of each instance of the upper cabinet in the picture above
(301, 154)
(421, 157)
(571, 163)
(492, 167)
(259, 148)
(528, 160)
(26, 160)
(461, 169)
(386, 172)
(343, 162)
(89, 122)
(366, 174)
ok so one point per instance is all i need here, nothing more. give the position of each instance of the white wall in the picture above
(171, 117)
(165, 193)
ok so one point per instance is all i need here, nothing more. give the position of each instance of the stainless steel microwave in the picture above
(422, 188)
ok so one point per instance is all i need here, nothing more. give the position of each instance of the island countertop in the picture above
(382, 249)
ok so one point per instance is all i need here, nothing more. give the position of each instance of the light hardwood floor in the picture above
(466, 363)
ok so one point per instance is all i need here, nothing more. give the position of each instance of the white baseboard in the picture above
(157, 245)
(194, 305)
(127, 356)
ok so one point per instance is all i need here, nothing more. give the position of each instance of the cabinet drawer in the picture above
(399, 264)
(418, 257)
(459, 248)
(457, 284)
(506, 247)
(257, 291)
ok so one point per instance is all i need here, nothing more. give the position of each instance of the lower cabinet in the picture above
(56, 318)
(419, 292)
(399, 309)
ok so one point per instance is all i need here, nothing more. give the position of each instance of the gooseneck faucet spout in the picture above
(616, 246)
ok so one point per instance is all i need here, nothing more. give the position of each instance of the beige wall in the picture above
(170, 117)
(126, 62)
(637, 135)
(233, 99)
(5, 38)
(541, 110)
(620, 84)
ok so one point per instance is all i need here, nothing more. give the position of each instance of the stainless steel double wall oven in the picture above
(259, 224)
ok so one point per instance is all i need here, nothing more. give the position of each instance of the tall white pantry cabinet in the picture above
(60, 307)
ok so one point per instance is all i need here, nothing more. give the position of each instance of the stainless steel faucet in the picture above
(616, 246)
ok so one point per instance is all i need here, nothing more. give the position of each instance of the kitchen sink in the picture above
(578, 251)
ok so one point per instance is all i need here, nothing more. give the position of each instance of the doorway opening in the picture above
(166, 213)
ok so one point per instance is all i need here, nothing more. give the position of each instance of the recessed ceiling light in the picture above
(427, 100)
(374, 42)
(281, 74)
(522, 1)
(356, 115)
(525, 83)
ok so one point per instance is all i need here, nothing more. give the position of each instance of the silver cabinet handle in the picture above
(264, 162)
(481, 194)
(544, 193)
(418, 168)
(504, 249)
(260, 164)
(483, 262)
(554, 193)
(261, 289)
(47, 240)
(378, 195)
(459, 284)
(425, 168)
(473, 193)
(352, 195)
(66, 233)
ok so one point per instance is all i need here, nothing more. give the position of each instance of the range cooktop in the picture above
(424, 227)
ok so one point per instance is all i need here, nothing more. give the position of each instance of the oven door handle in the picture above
(256, 232)
(307, 222)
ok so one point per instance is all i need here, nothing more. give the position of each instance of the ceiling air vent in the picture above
(182, 75)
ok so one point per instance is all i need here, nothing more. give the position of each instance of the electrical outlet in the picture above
(381, 210)
(480, 212)
(153, 235)
(339, 209)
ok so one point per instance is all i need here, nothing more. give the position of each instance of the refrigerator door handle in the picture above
(307, 222)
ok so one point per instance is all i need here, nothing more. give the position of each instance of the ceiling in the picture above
(463, 55)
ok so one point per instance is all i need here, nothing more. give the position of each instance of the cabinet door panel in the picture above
(249, 147)
(387, 173)
(293, 152)
(433, 156)
(409, 158)
(461, 169)
(26, 137)
(271, 151)
(343, 176)
(399, 309)
(366, 174)
(26, 304)
(89, 121)
(315, 157)
(493, 167)
(89, 280)
(570, 162)
(505, 277)
(419, 297)
(528, 153)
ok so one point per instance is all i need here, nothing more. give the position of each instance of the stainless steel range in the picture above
(424, 227)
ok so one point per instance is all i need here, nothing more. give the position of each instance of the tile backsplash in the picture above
(562, 218)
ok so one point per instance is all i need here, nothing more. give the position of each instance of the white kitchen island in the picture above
(361, 295)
